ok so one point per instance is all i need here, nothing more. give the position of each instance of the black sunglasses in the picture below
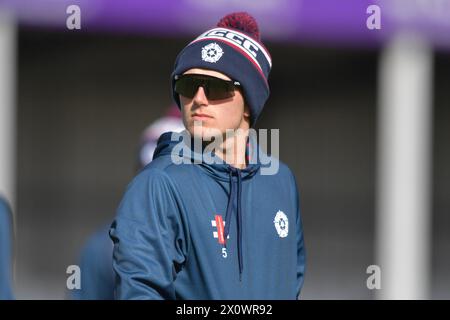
(215, 88)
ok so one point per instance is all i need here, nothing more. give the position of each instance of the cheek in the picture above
(232, 114)
(184, 103)
(185, 108)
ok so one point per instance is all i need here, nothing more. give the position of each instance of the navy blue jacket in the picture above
(5, 251)
(208, 231)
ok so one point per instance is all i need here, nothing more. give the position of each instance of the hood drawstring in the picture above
(235, 192)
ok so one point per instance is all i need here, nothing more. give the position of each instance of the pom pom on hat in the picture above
(241, 21)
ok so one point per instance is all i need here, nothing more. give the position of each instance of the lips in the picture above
(201, 116)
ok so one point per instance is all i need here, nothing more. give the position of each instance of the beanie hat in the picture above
(233, 48)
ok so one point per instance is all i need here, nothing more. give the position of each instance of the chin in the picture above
(206, 133)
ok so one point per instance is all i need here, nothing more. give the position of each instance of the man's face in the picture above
(212, 117)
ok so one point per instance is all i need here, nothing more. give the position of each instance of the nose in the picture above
(200, 98)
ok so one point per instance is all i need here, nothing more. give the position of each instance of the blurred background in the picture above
(356, 101)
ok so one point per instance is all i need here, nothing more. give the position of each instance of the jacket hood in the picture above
(182, 147)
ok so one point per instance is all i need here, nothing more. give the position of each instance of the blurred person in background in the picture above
(5, 250)
(196, 230)
(97, 276)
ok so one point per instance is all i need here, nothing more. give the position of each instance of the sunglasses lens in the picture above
(219, 89)
(215, 88)
(186, 86)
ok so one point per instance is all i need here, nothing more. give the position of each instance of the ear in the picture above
(246, 111)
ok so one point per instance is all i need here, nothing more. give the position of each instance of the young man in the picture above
(196, 229)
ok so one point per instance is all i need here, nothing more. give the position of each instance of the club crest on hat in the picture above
(212, 52)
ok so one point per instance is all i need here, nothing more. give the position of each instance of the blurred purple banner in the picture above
(334, 22)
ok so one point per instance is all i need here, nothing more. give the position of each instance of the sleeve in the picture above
(301, 252)
(5, 252)
(150, 245)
